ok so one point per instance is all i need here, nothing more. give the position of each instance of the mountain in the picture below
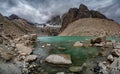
(92, 27)
(16, 25)
(13, 16)
(77, 13)
(54, 20)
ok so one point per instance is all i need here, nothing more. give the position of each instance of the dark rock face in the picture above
(55, 20)
(96, 14)
(13, 16)
(76, 13)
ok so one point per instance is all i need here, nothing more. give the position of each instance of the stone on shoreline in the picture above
(110, 58)
(116, 52)
(75, 69)
(117, 45)
(78, 44)
(59, 59)
(109, 45)
(98, 40)
(31, 58)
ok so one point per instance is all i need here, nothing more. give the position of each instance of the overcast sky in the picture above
(41, 10)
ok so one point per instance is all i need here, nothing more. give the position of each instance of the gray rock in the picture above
(9, 68)
(116, 63)
(109, 45)
(116, 52)
(117, 45)
(75, 69)
(60, 73)
(99, 44)
(110, 58)
(59, 59)
(78, 44)
(31, 58)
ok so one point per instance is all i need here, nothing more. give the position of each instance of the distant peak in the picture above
(13, 16)
(83, 7)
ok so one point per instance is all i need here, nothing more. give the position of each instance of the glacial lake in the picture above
(78, 54)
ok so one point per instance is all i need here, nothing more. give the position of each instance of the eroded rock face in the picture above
(59, 59)
(76, 13)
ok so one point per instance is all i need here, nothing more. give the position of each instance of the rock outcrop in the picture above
(76, 13)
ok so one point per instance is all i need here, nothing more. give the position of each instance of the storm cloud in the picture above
(41, 10)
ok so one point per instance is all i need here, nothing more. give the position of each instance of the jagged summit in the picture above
(82, 7)
(54, 20)
(76, 13)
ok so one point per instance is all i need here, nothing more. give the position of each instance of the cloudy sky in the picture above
(41, 10)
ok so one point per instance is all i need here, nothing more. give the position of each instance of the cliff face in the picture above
(16, 26)
(76, 13)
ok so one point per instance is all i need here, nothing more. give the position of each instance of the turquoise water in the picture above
(64, 38)
(78, 54)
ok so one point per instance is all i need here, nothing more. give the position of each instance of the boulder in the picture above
(1, 40)
(27, 40)
(48, 44)
(34, 36)
(60, 73)
(116, 63)
(23, 49)
(116, 52)
(61, 48)
(102, 53)
(108, 45)
(99, 44)
(117, 45)
(75, 69)
(78, 44)
(110, 58)
(98, 40)
(31, 58)
(59, 59)
(7, 56)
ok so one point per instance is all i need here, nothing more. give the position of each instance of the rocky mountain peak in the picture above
(82, 7)
(77, 13)
(13, 16)
(55, 20)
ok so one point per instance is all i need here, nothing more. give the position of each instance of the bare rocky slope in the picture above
(16, 26)
(92, 27)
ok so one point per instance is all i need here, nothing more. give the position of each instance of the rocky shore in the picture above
(17, 56)
(17, 52)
